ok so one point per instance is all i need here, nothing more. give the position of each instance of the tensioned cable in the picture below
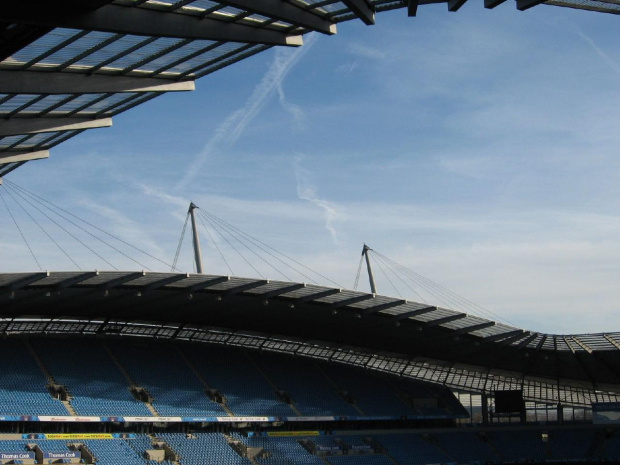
(465, 302)
(388, 278)
(20, 231)
(43, 229)
(436, 290)
(357, 276)
(238, 234)
(91, 225)
(214, 242)
(250, 237)
(176, 255)
(432, 288)
(407, 285)
(234, 248)
(257, 255)
(457, 299)
(65, 230)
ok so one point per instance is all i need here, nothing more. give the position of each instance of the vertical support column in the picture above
(197, 252)
(371, 278)
(484, 402)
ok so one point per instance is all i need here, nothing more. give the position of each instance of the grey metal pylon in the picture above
(197, 252)
(371, 278)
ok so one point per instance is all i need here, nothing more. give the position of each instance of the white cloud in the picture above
(233, 126)
(307, 191)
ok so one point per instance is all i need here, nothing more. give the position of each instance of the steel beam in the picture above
(419, 311)
(527, 340)
(492, 3)
(378, 308)
(33, 278)
(16, 157)
(363, 9)
(523, 5)
(70, 282)
(287, 12)
(165, 281)
(352, 300)
(17, 126)
(443, 320)
(207, 284)
(49, 82)
(145, 22)
(318, 295)
(412, 8)
(283, 290)
(454, 5)
(498, 337)
(245, 287)
(472, 328)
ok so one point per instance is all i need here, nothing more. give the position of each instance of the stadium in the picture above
(139, 367)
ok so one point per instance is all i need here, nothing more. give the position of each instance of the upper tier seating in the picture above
(159, 368)
(95, 382)
(246, 390)
(23, 385)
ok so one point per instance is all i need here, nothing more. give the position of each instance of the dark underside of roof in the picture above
(309, 313)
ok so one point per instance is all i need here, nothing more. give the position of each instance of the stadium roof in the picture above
(71, 65)
(407, 338)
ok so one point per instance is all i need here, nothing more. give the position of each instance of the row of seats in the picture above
(177, 378)
(451, 446)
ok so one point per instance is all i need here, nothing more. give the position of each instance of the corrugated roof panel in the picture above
(43, 105)
(39, 46)
(76, 103)
(75, 48)
(108, 52)
(144, 53)
(103, 105)
(16, 102)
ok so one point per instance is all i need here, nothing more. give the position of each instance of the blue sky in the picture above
(478, 148)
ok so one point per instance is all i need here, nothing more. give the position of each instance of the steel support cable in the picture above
(463, 302)
(436, 291)
(454, 295)
(176, 255)
(276, 251)
(43, 229)
(231, 229)
(378, 263)
(236, 237)
(430, 286)
(234, 248)
(240, 233)
(65, 230)
(359, 270)
(20, 231)
(437, 294)
(214, 242)
(393, 271)
(33, 195)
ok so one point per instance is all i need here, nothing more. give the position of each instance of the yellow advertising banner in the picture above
(80, 436)
(293, 433)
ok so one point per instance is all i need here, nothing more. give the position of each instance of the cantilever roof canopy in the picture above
(191, 307)
(71, 65)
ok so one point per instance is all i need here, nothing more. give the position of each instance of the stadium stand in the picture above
(246, 390)
(371, 395)
(95, 383)
(309, 389)
(23, 385)
(201, 449)
(163, 372)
